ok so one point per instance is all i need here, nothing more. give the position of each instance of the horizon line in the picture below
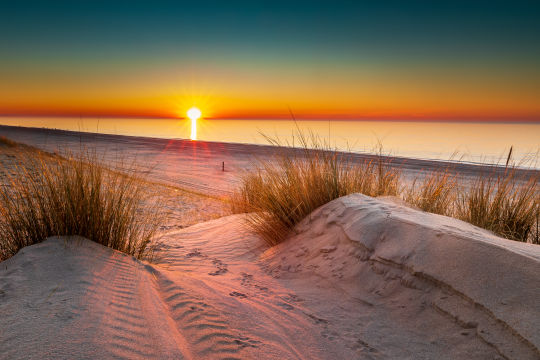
(299, 117)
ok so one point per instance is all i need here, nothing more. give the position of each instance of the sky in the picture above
(427, 60)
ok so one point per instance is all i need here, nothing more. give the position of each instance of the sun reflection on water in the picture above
(194, 113)
(193, 129)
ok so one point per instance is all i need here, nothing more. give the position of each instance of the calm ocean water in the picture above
(473, 142)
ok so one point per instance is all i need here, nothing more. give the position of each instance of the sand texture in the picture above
(362, 278)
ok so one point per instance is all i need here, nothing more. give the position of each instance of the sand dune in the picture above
(72, 298)
(441, 285)
(362, 279)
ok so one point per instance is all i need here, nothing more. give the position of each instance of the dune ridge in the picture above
(481, 281)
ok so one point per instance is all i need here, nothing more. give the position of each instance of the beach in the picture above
(360, 277)
(206, 167)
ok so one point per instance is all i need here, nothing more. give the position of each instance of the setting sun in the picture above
(194, 113)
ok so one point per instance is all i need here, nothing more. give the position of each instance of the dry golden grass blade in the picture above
(504, 204)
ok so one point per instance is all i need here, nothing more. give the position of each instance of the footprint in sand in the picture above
(238, 294)
(244, 341)
(285, 306)
(292, 298)
(363, 346)
(221, 268)
(316, 319)
(194, 253)
(247, 280)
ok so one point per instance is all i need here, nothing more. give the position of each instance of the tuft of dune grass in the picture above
(76, 196)
(285, 189)
(435, 193)
(504, 204)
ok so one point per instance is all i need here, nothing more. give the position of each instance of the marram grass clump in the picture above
(436, 192)
(505, 204)
(52, 196)
(287, 188)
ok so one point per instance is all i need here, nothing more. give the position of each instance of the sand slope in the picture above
(70, 298)
(417, 273)
(75, 299)
(363, 279)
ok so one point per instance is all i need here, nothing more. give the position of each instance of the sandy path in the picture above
(217, 292)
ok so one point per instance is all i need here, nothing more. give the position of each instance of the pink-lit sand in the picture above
(363, 278)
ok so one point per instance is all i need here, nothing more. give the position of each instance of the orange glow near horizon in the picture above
(269, 95)
(267, 92)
